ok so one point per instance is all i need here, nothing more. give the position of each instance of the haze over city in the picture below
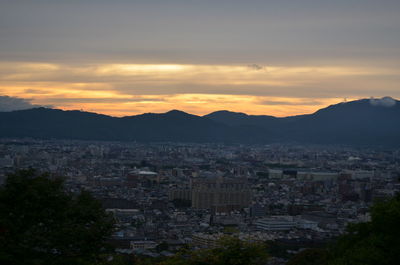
(123, 58)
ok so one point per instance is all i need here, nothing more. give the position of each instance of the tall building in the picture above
(220, 194)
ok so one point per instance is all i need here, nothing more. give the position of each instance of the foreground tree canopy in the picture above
(40, 223)
(374, 242)
(370, 243)
(231, 251)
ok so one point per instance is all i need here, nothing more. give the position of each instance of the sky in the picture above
(267, 57)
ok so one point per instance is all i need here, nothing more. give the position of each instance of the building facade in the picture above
(220, 194)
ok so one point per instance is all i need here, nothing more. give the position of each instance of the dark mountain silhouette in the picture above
(356, 122)
(46, 123)
(361, 122)
(241, 119)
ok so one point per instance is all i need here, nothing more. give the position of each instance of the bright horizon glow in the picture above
(129, 89)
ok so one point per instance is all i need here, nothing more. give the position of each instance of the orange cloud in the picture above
(127, 89)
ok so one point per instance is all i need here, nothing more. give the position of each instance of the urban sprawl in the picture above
(174, 195)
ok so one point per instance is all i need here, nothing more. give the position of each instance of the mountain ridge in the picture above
(360, 122)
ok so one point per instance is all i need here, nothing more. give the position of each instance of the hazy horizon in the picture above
(14, 104)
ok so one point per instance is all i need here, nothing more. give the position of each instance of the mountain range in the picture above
(367, 122)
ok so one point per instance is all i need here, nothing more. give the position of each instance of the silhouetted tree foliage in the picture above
(162, 246)
(374, 242)
(310, 257)
(277, 249)
(40, 223)
(369, 243)
(231, 251)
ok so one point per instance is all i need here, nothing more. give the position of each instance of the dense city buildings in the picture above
(174, 195)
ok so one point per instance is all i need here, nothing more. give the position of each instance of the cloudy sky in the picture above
(260, 57)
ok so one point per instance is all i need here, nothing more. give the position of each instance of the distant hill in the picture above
(361, 122)
(241, 119)
(46, 123)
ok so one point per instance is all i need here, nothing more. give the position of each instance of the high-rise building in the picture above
(220, 194)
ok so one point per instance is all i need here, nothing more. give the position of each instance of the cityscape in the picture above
(179, 194)
(184, 132)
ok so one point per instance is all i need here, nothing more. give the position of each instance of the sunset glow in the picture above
(128, 89)
(124, 58)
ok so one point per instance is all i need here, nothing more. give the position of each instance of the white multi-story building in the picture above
(282, 223)
(275, 224)
(143, 244)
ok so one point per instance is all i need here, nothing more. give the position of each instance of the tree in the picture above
(163, 246)
(370, 243)
(40, 223)
(312, 256)
(230, 251)
(374, 242)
